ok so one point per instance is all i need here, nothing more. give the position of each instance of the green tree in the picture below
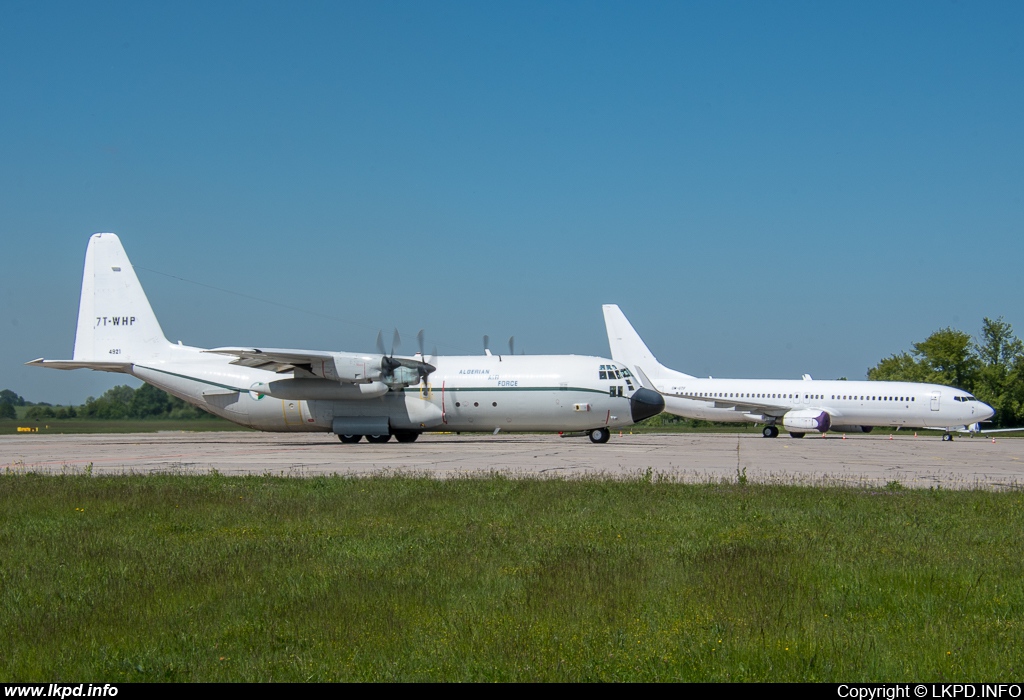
(148, 402)
(949, 356)
(1000, 383)
(114, 403)
(9, 397)
(38, 413)
(7, 411)
(899, 368)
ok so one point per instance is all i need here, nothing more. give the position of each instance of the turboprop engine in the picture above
(372, 369)
(807, 419)
(346, 367)
(852, 428)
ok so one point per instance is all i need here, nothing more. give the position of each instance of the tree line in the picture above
(991, 367)
(117, 403)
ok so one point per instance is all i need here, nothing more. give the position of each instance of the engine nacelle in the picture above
(350, 368)
(807, 420)
(852, 428)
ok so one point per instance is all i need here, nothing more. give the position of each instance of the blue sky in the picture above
(766, 189)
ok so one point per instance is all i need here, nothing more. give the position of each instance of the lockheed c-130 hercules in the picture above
(349, 394)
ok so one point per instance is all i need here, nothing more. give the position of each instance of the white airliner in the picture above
(800, 406)
(349, 394)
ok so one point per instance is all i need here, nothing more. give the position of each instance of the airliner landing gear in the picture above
(600, 435)
(350, 438)
(378, 438)
(406, 435)
(797, 435)
(770, 431)
(947, 437)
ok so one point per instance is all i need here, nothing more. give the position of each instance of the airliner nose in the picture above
(645, 403)
(986, 412)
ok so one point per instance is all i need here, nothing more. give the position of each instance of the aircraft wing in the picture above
(275, 359)
(975, 428)
(742, 405)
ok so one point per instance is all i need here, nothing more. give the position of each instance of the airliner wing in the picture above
(745, 405)
(275, 359)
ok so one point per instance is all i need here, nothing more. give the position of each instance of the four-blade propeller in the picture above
(402, 370)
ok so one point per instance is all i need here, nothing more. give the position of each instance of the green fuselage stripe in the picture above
(194, 379)
(415, 389)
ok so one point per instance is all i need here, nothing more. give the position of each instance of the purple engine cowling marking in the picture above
(824, 422)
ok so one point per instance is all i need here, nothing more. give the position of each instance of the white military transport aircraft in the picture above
(800, 406)
(349, 394)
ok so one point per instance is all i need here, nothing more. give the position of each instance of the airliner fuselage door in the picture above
(935, 400)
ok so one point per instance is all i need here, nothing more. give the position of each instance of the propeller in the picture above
(389, 363)
(425, 368)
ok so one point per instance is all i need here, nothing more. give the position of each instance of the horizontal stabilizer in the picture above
(124, 367)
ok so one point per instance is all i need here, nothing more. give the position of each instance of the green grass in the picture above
(179, 578)
(53, 426)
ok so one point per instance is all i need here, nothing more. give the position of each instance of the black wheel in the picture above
(406, 435)
(770, 431)
(600, 435)
(378, 438)
(350, 438)
(797, 435)
(947, 437)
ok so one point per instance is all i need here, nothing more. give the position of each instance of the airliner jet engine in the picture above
(807, 419)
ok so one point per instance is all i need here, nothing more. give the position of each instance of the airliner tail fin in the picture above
(628, 347)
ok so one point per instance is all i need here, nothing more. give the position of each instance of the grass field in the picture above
(149, 425)
(143, 578)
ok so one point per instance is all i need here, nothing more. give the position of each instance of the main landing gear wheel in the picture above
(350, 438)
(600, 435)
(378, 438)
(770, 431)
(947, 437)
(406, 435)
(797, 435)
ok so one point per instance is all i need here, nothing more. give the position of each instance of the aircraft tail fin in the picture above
(116, 324)
(628, 347)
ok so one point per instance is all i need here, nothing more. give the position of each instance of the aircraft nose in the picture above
(645, 403)
(986, 412)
